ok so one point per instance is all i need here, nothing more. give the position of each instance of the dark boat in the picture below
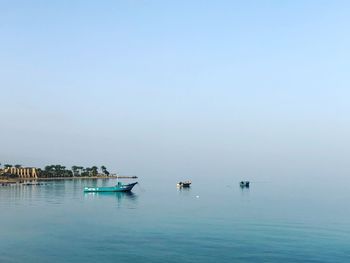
(184, 184)
(244, 184)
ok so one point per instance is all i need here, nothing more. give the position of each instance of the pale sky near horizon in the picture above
(256, 88)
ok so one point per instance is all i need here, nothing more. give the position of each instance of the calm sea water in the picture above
(213, 221)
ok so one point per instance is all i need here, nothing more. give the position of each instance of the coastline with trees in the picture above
(58, 172)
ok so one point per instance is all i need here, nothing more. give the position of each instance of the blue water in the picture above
(213, 221)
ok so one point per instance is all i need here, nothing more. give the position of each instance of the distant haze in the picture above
(177, 88)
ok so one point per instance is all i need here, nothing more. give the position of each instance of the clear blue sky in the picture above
(161, 87)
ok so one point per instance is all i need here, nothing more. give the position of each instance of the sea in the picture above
(215, 220)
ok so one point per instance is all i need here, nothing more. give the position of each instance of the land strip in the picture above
(17, 180)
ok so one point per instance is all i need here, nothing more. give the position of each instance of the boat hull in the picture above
(184, 184)
(117, 188)
(244, 184)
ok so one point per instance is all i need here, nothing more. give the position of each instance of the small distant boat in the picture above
(184, 184)
(244, 184)
(119, 187)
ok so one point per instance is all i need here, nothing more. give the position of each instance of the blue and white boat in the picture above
(119, 187)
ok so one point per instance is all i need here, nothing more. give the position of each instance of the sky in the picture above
(205, 88)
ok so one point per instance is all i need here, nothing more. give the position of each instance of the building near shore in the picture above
(21, 172)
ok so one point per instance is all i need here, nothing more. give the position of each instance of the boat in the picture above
(119, 187)
(244, 184)
(184, 184)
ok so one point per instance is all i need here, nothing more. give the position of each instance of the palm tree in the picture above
(94, 170)
(75, 170)
(104, 170)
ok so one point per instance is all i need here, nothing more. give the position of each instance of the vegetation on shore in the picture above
(57, 170)
(75, 171)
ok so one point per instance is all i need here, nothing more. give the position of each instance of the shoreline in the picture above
(16, 180)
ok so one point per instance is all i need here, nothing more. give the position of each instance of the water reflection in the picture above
(245, 190)
(18, 191)
(121, 197)
(184, 191)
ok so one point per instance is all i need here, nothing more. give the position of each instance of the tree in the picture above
(56, 171)
(81, 169)
(104, 170)
(18, 166)
(8, 165)
(86, 171)
(75, 170)
(49, 171)
(94, 170)
(47, 168)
